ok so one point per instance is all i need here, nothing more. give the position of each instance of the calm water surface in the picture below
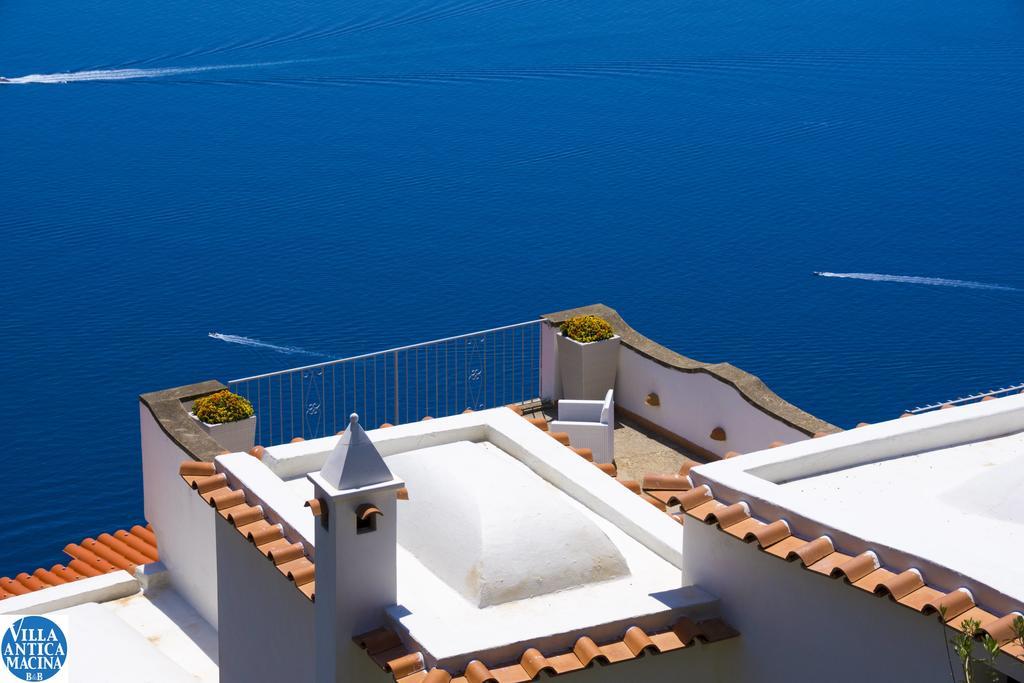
(351, 176)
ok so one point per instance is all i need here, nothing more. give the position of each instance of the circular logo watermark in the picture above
(34, 648)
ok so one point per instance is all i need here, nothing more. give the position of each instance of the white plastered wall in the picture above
(692, 404)
(799, 626)
(183, 522)
(266, 624)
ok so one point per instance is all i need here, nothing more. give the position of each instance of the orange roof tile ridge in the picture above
(289, 556)
(864, 571)
(385, 647)
(91, 557)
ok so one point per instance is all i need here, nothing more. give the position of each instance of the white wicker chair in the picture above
(589, 424)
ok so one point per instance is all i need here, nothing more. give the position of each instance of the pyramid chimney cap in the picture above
(355, 462)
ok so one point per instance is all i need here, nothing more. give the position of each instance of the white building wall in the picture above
(266, 624)
(692, 404)
(799, 626)
(183, 522)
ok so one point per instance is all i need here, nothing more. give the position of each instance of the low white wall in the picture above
(798, 626)
(183, 522)
(112, 586)
(692, 404)
(266, 624)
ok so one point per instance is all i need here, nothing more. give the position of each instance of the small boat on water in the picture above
(4, 80)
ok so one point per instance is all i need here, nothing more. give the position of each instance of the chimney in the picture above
(356, 537)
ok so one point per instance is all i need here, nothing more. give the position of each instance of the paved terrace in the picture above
(638, 450)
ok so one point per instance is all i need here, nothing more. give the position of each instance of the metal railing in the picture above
(995, 393)
(479, 370)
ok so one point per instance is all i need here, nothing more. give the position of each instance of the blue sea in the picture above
(338, 178)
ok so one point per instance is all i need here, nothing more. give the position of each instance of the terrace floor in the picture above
(638, 451)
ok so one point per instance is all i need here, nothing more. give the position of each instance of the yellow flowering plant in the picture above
(587, 328)
(222, 406)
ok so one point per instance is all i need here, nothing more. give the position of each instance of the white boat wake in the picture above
(131, 74)
(917, 280)
(248, 341)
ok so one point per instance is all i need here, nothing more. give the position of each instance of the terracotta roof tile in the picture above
(48, 577)
(950, 605)
(288, 555)
(137, 543)
(754, 530)
(308, 589)
(585, 453)
(12, 587)
(226, 498)
(917, 600)
(91, 557)
(638, 642)
(704, 511)
(210, 483)
(192, 468)
(107, 554)
(695, 497)
(812, 551)
(476, 672)
(88, 557)
(826, 564)
(123, 549)
(293, 551)
(261, 532)
(983, 617)
(684, 469)
(667, 498)
(84, 569)
(538, 422)
(587, 651)
(901, 585)
(66, 573)
(29, 582)
(532, 664)
(856, 568)
(632, 485)
(655, 501)
(786, 548)
(405, 665)
(301, 571)
(365, 512)
(873, 582)
(667, 482)
(728, 515)
(560, 437)
(279, 545)
(1002, 630)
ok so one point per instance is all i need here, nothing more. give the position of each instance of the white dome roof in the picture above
(493, 530)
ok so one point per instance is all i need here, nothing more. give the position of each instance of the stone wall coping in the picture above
(749, 386)
(169, 411)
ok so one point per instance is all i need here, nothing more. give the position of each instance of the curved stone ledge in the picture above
(168, 409)
(750, 387)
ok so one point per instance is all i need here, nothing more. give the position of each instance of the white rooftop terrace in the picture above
(508, 537)
(118, 632)
(940, 491)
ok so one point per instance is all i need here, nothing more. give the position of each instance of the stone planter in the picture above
(587, 370)
(235, 437)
